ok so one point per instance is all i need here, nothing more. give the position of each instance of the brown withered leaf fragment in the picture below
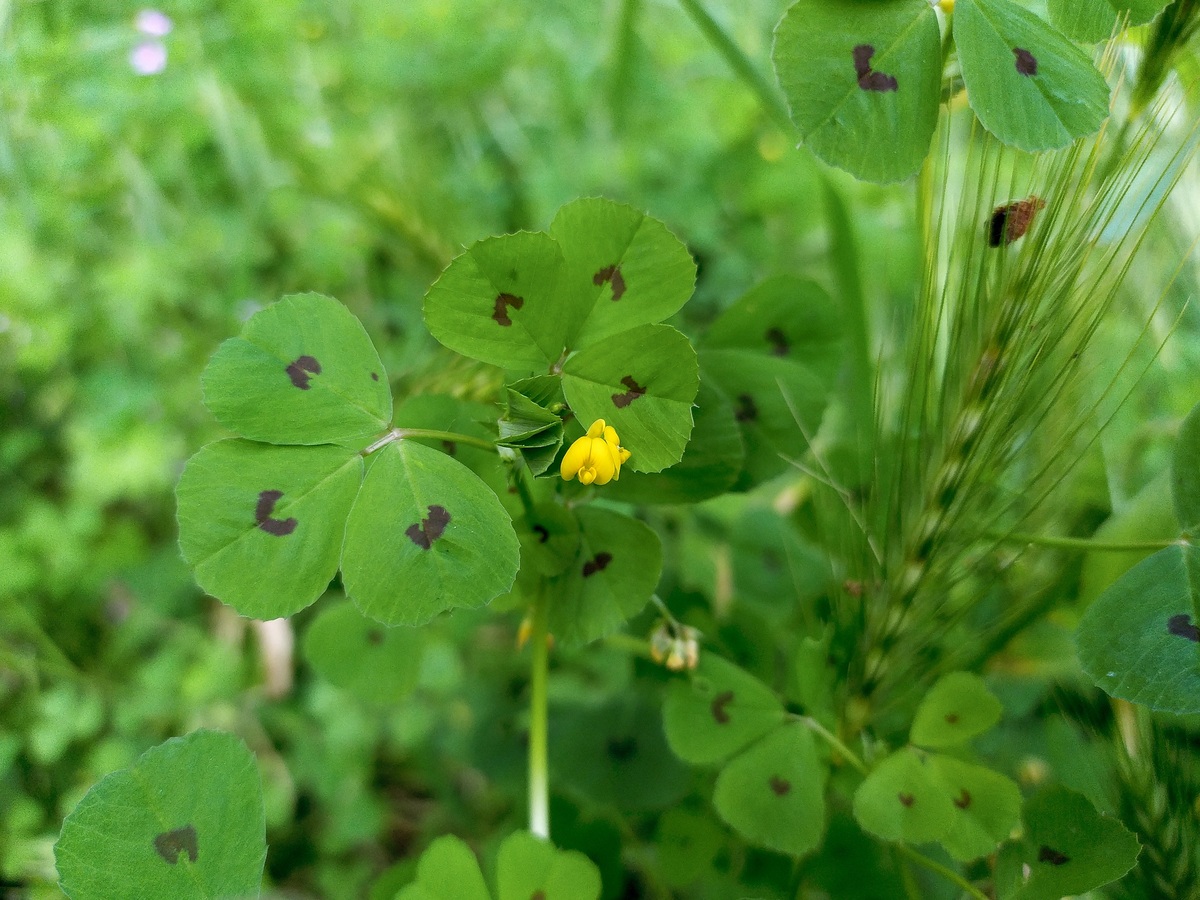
(1011, 220)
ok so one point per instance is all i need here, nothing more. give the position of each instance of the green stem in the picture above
(629, 644)
(1067, 543)
(938, 869)
(833, 741)
(399, 434)
(740, 63)
(539, 791)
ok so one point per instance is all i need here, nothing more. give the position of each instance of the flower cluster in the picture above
(596, 457)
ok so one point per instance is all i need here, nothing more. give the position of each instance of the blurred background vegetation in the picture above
(353, 148)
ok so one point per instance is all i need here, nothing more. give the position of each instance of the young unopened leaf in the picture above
(718, 711)
(623, 269)
(1140, 640)
(986, 806)
(448, 541)
(612, 577)
(262, 526)
(303, 371)
(185, 821)
(711, 463)
(377, 664)
(1185, 473)
(903, 800)
(448, 870)
(1070, 848)
(1094, 20)
(642, 382)
(862, 80)
(500, 302)
(956, 709)
(528, 867)
(774, 793)
(1030, 86)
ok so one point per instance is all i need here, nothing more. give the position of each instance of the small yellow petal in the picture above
(597, 429)
(588, 475)
(575, 458)
(610, 435)
(625, 454)
(602, 459)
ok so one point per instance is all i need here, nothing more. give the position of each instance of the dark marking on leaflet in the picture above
(299, 371)
(598, 564)
(1052, 856)
(1025, 62)
(375, 637)
(780, 785)
(951, 718)
(262, 515)
(620, 401)
(170, 844)
(622, 749)
(374, 376)
(430, 528)
(963, 800)
(500, 310)
(611, 274)
(778, 341)
(542, 532)
(450, 447)
(746, 410)
(1181, 626)
(869, 79)
(719, 713)
(906, 799)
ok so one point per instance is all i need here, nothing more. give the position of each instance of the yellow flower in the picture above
(596, 457)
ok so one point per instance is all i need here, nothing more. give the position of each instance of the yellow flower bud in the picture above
(596, 457)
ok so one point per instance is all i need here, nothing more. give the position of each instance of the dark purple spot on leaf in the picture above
(1182, 626)
(778, 341)
(542, 532)
(1052, 856)
(170, 844)
(963, 800)
(599, 564)
(746, 409)
(780, 785)
(622, 749)
(262, 515)
(450, 447)
(430, 529)
(375, 637)
(374, 376)
(538, 895)
(951, 718)
(613, 275)
(868, 79)
(299, 371)
(1012, 220)
(620, 401)
(500, 310)
(719, 713)
(1025, 62)
(906, 799)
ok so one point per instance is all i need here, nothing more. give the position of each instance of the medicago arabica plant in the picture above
(924, 454)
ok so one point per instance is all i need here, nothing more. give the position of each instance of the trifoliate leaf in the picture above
(448, 870)
(903, 800)
(529, 867)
